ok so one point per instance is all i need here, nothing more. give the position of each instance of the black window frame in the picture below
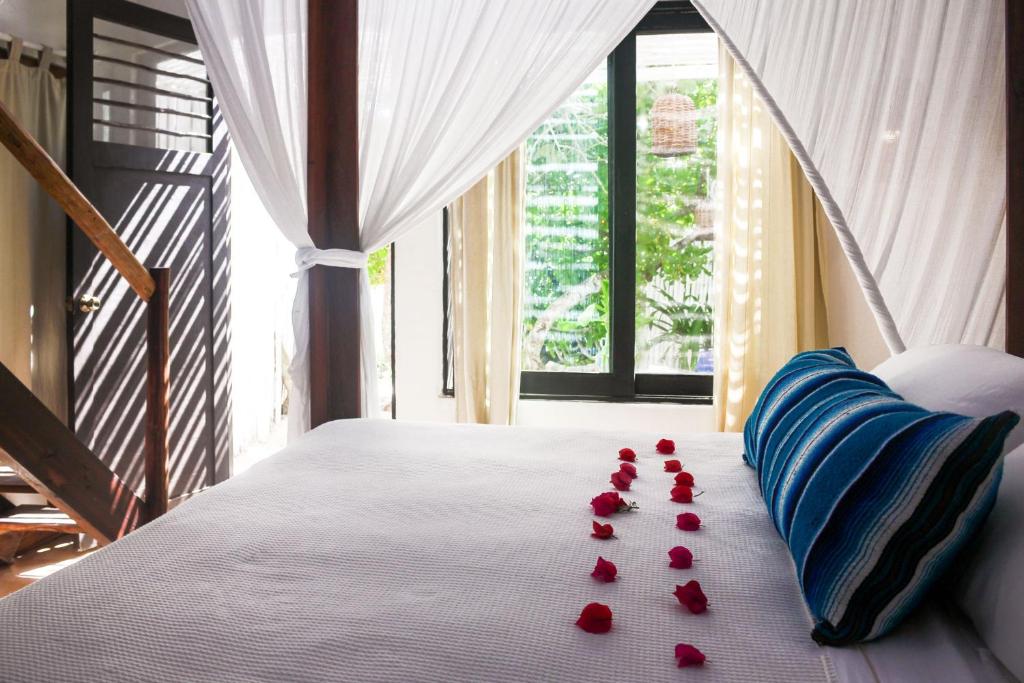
(621, 383)
(447, 340)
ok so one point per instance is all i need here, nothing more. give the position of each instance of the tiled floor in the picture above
(35, 564)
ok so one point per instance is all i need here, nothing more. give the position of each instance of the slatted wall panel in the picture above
(149, 90)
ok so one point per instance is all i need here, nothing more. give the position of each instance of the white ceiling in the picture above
(34, 21)
(42, 21)
(169, 6)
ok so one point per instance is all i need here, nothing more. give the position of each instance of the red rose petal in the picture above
(628, 468)
(595, 618)
(688, 521)
(682, 494)
(627, 454)
(606, 504)
(684, 479)
(604, 570)
(603, 530)
(692, 597)
(688, 655)
(621, 480)
(680, 557)
(602, 508)
(673, 466)
(666, 446)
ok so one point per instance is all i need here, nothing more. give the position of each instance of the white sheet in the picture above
(935, 644)
(382, 551)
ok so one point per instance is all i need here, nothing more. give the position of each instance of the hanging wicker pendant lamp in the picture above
(673, 126)
(704, 214)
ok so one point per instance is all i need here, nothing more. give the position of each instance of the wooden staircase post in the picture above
(158, 358)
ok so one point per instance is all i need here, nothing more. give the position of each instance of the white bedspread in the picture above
(382, 551)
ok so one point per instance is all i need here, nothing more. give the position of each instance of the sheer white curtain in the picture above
(487, 237)
(770, 303)
(32, 315)
(895, 110)
(448, 88)
(255, 53)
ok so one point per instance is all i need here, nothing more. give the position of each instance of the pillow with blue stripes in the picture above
(874, 496)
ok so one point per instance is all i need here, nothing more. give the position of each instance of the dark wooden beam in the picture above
(158, 360)
(1015, 177)
(333, 198)
(48, 456)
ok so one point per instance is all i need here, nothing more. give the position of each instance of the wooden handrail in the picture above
(44, 451)
(43, 168)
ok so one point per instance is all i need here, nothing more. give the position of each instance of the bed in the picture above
(389, 551)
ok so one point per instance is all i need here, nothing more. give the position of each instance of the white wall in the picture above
(419, 278)
(262, 290)
(850, 322)
(44, 21)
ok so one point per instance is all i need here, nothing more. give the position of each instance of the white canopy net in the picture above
(896, 111)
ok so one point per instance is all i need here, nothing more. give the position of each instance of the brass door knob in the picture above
(89, 303)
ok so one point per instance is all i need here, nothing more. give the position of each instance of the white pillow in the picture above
(980, 381)
(992, 590)
(977, 381)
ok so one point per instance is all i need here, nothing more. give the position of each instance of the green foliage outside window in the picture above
(567, 289)
(377, 265)
(566, 298)
(674, 232)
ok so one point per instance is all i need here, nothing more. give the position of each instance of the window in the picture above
(381, 268)
(619, 234)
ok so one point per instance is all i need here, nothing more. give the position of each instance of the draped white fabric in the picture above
(255, 53)
(32, 233)
(448, 88)
(895, 109)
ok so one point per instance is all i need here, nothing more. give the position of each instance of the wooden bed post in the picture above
(333, 197)
(158, 359)
(1015, 177)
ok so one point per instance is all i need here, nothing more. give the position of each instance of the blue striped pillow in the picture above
(874, 496)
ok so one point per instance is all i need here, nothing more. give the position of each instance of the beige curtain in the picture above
(770, 304)
(486, 228)
(32, 238)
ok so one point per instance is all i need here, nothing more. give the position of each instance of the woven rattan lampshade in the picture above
(704, 214)
(673, 126)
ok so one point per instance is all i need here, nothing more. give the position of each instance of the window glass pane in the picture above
(379, 267)
(565, 308)
(677, 85)
(448, 321)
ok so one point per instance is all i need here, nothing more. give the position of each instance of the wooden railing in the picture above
(45, 452)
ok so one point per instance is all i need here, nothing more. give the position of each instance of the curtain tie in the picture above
(307, 257)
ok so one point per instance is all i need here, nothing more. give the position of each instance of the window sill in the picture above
(584, 398)
(678, 400)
